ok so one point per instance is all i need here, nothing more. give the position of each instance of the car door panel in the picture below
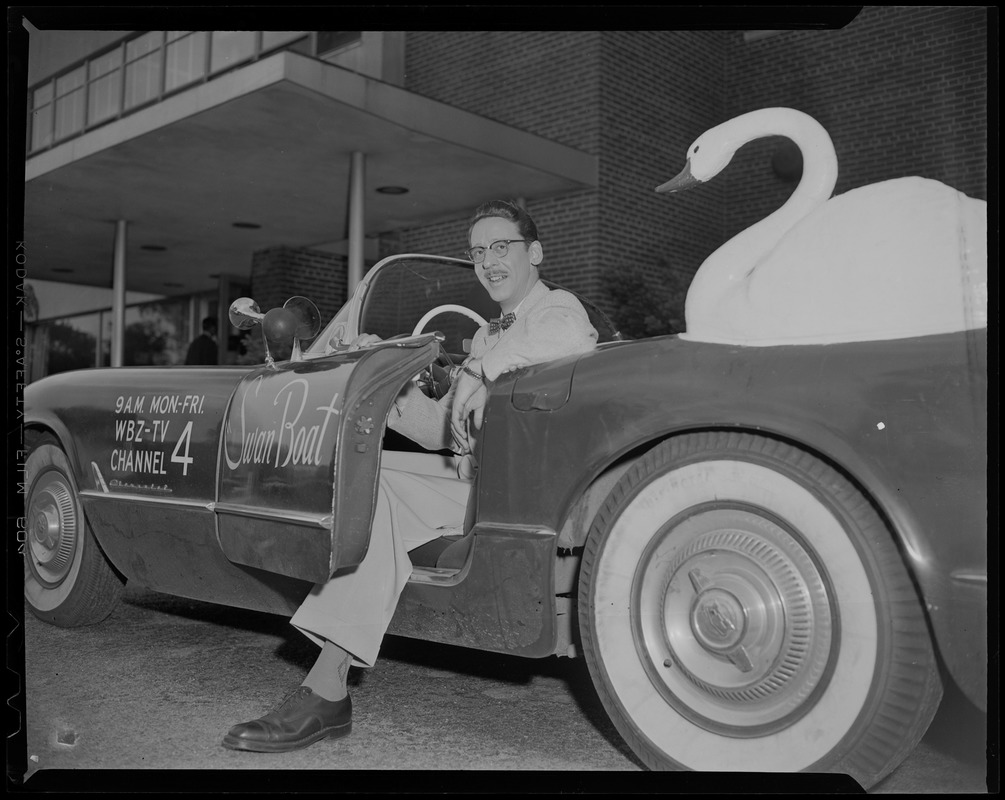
(299, 458)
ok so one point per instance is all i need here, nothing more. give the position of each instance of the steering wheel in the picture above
(467, 312)
(437, 374)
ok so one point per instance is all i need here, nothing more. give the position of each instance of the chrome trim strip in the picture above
(225, 508)
(277, 515)
(968, 576)
(99, 478)
(437, 576)
(142, 498)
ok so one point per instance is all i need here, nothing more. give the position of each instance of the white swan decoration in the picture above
(901, 258)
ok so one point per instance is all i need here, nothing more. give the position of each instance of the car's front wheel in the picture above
(67, 579)
(744, 608)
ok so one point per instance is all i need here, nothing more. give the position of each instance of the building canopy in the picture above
(270, 144)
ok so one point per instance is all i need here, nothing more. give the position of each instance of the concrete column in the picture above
(357, 216)
(194, 318)
(119, 294)
(222, 317)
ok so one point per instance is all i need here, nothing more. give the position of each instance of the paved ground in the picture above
(157, 685)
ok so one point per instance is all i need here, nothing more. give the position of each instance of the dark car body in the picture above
(246, 485)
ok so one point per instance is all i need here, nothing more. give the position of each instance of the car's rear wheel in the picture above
(744, 608)
(67, 579)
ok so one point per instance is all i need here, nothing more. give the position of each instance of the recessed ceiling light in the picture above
(153, 248)
(246, 225)
(392, 190)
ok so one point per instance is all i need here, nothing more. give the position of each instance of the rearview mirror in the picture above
(245, 313)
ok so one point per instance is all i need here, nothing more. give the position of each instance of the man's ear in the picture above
(535, 252)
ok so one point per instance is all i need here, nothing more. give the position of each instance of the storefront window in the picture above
(64, 344)
(156, 334)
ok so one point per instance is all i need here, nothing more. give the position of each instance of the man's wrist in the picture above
(473, 373)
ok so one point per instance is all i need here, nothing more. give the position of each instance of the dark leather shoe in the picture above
(302, 719)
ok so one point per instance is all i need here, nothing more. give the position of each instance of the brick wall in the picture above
(657, 87)
(617, 95)
(279, 273)
(544, 82)
(902, 91)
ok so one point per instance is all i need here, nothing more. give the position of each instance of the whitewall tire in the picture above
(744, 608)
(67, 580)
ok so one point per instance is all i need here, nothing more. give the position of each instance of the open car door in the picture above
(300, 455)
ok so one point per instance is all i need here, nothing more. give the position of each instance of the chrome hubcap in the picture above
(717, 619)
(52, 535)
(734, 621)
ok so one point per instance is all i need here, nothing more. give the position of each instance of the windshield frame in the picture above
(344, 326)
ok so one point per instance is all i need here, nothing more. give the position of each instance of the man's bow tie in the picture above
(497, 325)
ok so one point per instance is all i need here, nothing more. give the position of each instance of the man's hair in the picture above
(209, 323)
(506, 210)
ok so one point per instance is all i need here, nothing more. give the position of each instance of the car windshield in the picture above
(401, 292)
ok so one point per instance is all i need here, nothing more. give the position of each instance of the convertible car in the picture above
(772, 554)
(762, 552)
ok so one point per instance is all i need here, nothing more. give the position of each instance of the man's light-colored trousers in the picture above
(419, 498)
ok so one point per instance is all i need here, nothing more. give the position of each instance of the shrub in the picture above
(643, 306)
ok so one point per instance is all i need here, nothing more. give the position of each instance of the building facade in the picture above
(580, 126)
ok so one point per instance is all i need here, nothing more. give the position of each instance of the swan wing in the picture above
(901, 258)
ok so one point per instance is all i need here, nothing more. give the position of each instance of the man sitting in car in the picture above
(349, 614)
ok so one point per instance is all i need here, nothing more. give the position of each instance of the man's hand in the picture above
(469, 399)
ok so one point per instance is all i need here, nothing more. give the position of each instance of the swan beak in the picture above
(683, 180)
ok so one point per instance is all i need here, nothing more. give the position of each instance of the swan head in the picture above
(711, 152)
(707, 156)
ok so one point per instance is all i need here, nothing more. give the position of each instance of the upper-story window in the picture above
(273, 39)
(143, 68)
(231, 47)
(146, 67)
(70, 102)
(329, 42)
(105, 76)
(185, 58)
(40, 118)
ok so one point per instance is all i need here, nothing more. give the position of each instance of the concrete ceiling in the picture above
(269, 144)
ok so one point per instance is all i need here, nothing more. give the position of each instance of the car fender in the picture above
(889, 434)
(167, 420)
(906, 420)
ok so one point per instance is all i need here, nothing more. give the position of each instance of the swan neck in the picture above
(740, 256)
(819, 174)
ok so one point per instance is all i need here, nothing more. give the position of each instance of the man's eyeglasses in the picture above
(498, 248)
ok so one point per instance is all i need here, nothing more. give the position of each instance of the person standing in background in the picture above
(203, 347)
